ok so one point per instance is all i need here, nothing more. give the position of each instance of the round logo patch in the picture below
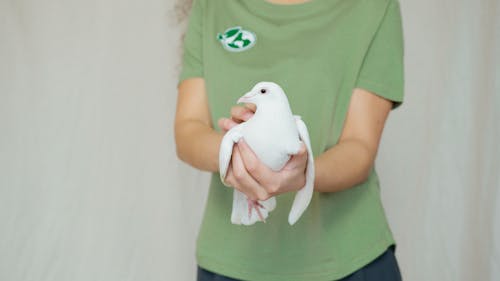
(237, 39)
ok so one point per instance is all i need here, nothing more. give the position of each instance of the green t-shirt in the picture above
(318, 51)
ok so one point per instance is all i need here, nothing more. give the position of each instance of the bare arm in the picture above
(349, 162)
(197, 143)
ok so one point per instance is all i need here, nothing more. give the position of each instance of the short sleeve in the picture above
(192, 50)
(382, 70)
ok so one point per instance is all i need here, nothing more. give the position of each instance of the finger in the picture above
(303, 148)
(238, 172)
(240, 113)
(251, 106)
(226, 124)
(221, 125)
(297, 160)
(252, 188)
(258, 170)
(229, 173)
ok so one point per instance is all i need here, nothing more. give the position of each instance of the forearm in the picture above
(342, 166)
(198, 145)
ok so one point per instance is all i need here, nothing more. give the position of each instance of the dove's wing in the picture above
(304, 195)
(226, 149)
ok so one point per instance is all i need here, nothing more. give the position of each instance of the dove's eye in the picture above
(263, 91)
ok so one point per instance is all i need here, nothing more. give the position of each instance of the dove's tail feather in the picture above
(239, 203)
(304, 195)
(269, 204)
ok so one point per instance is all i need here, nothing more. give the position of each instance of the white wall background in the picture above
(91, 189)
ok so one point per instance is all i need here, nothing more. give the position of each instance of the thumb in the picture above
(297, 160)
(226, 124)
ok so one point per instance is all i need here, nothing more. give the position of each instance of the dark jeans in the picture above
(383, 268)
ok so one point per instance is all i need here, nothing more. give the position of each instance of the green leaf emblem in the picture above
(237, 39)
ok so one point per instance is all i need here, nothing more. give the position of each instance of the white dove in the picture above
(274, 134)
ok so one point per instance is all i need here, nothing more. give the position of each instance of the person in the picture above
(340, 62)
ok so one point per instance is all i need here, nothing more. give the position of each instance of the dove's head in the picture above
(265, 93)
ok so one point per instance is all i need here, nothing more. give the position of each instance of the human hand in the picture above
(238, 114)
(257, 181)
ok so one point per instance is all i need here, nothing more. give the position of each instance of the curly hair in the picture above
(181, 10)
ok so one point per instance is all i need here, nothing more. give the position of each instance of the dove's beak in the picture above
(248, 98)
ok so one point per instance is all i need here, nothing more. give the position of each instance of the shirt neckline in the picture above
(275, 10)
